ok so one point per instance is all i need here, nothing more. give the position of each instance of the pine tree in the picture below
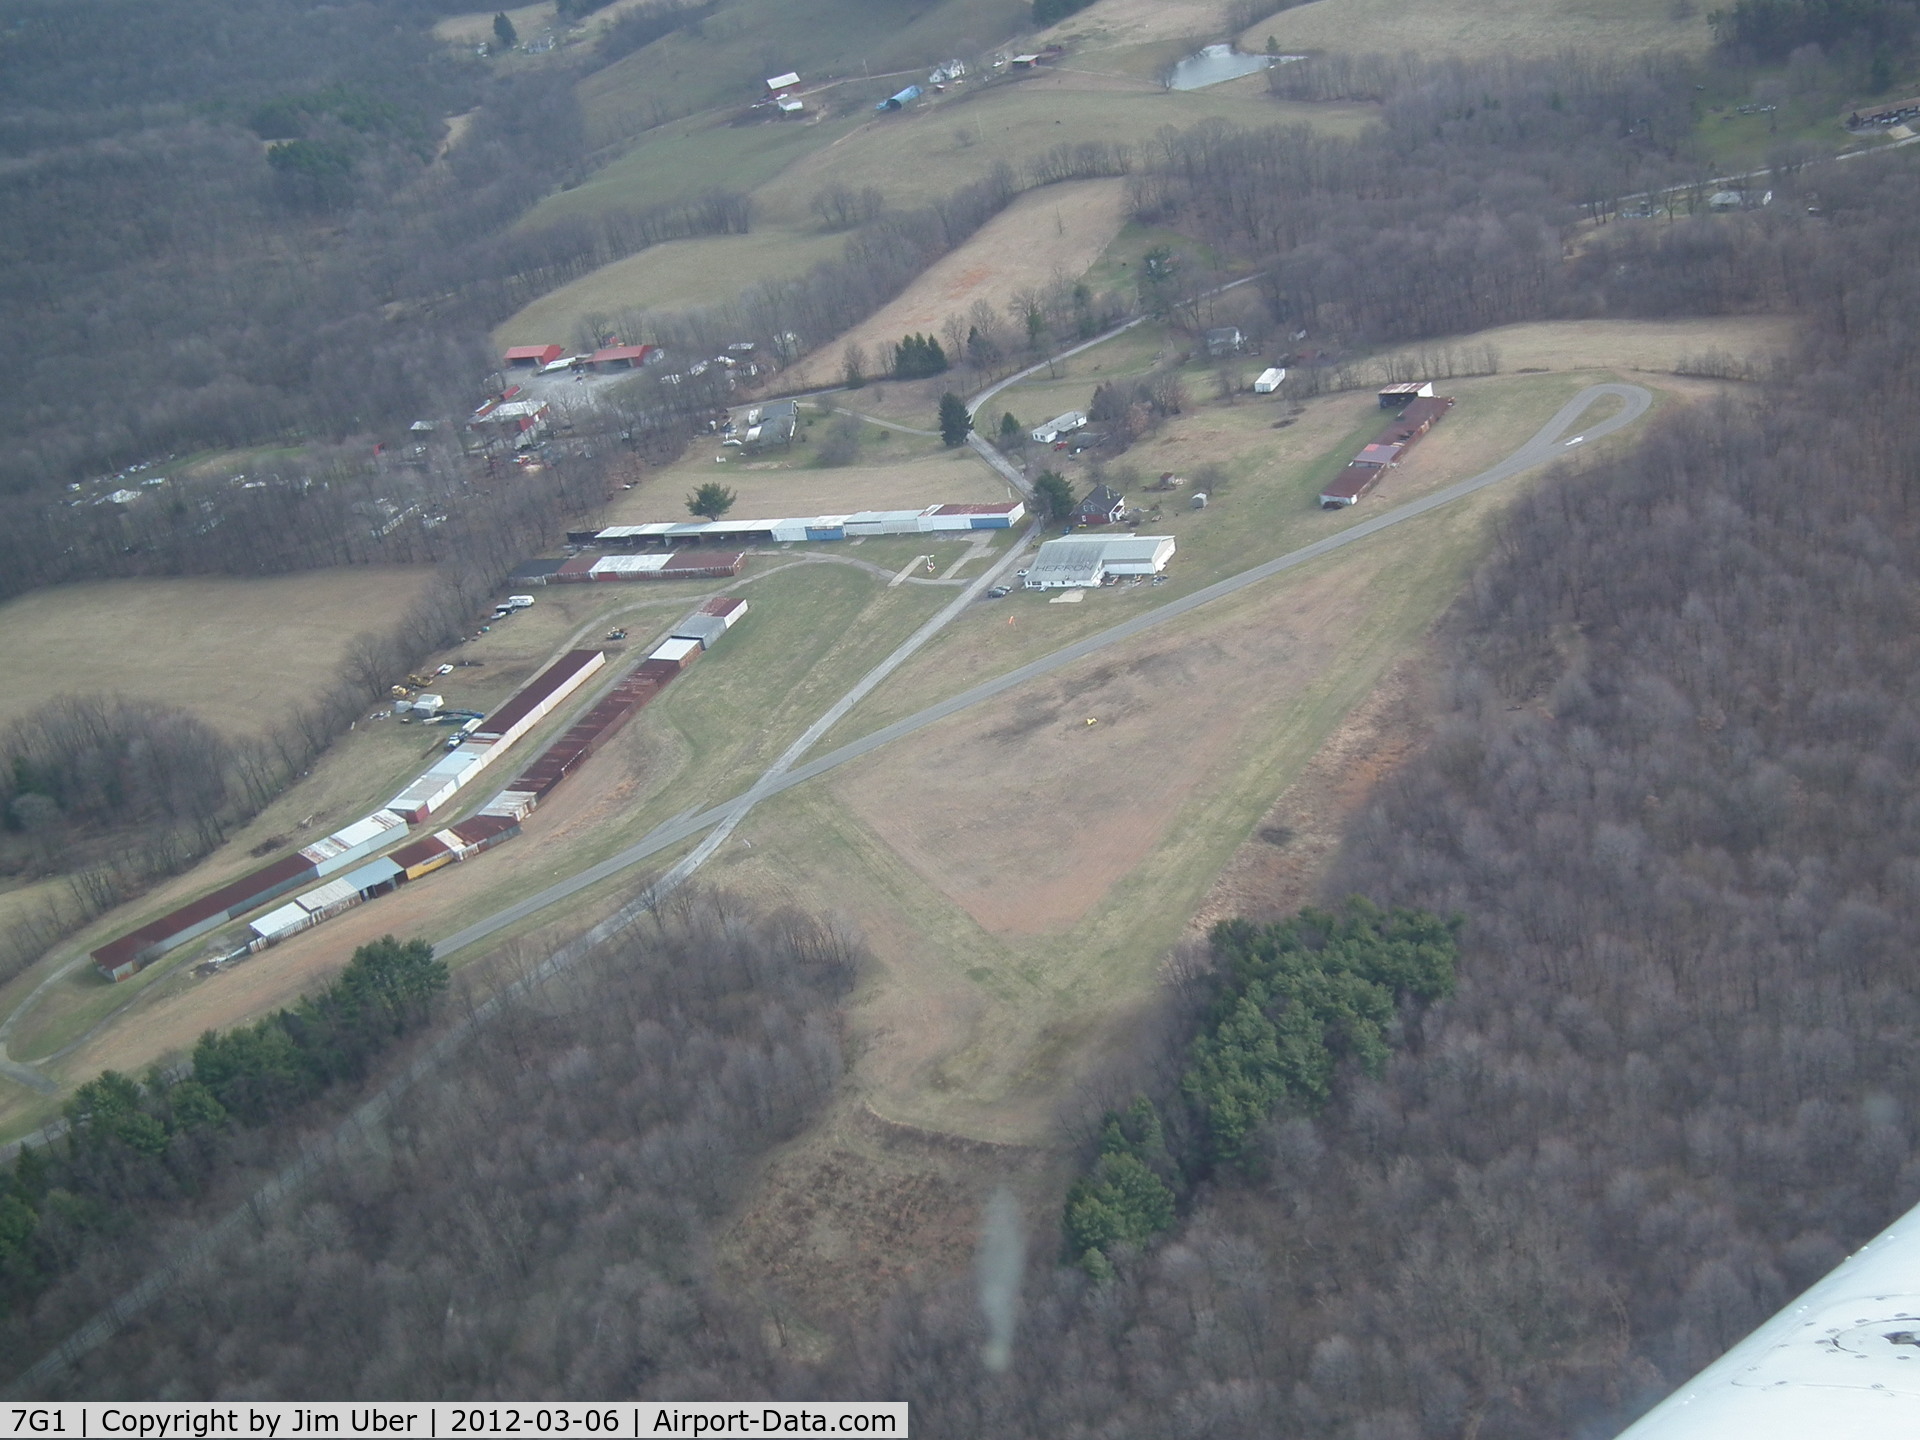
(954, 420)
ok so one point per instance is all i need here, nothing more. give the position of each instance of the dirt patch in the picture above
(1280, 868)
(1046, 235)
(237, 653)
(1118, 747)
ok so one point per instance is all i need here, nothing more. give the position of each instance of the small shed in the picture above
(1269, 381)
(533, 357)
(1103, 506)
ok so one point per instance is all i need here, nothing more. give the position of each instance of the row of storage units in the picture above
(931, 519)
(130, 953)
(380, 877)
(346, 850)
(692, 636)
(1421, 411)
(657, 565)
(442, 781)
(127, 955)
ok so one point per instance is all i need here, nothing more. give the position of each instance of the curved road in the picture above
(1549, 443)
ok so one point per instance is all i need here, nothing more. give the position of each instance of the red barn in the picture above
(534, 356)
(620, 357)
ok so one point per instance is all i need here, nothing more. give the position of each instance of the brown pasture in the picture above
(1045, 236)
(237, 653)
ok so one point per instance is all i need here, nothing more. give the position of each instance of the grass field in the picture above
(915, 157)
(744, 41)
(1021, 874)
(902, 472)
(677, 275)
(234, 652)
(683, 161)
(1268, 509)
(1485, 27)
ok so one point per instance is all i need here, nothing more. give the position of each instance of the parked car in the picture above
(999, 592)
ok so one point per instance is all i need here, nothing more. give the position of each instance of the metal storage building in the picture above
(120, 958)
(1083, 561)
(627, 567)
(671, 658)
(726, 607)
(424, 796)
(539, 696)
(705, 629)
(1269, 381)
(350, 843)
(278, 924)
(619, 357)
(533, 356)
(375, 878)
(424, 856)
(1394, 396)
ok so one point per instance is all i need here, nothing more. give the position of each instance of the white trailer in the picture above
(1060, 425)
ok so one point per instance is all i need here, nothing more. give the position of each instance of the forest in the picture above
(538, 1221)
(1614, 1059)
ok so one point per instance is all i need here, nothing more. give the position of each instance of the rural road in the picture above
(1549, 443)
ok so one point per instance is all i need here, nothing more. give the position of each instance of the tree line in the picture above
(1288, 1006)
(540, 1216)
(132, 1147)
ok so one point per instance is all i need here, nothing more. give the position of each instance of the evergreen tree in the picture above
(711, 500)
(918, 356)
(955, 423)
(504, 32)
(1052, 495)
